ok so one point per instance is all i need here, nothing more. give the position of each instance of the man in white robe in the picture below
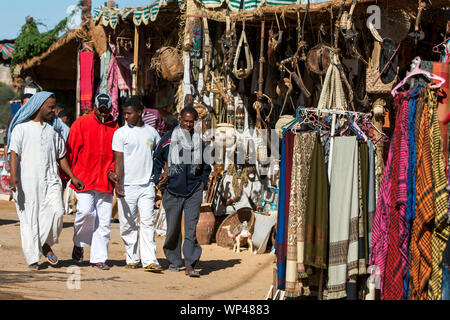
(36, 149)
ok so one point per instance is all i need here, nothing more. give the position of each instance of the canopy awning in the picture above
(7, 50)
(245, 5)
(111, 16)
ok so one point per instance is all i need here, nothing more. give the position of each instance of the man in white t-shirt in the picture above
(133, 146)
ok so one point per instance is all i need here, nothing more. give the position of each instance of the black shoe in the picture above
(77, 254)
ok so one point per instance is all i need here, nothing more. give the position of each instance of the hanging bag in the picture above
(243, 73)
(168, 63)
(374, 84)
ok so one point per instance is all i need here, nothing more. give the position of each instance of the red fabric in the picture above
(89, 152)
(442, 70)
(395, 265)
(86, 79)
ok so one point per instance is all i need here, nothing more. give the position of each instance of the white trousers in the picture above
(41, 220)
(93, 223)
(140, 247)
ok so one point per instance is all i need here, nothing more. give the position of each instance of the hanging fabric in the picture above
(332, 95)
(86, 79)
(441, 230)
(343, 242)
(420, 245)
(247, 71)
(283, 205)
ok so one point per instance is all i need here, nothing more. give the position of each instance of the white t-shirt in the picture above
(137, 145)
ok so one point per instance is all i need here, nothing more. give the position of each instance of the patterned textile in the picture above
(420, 246)
(381, 220)
(316, 219)
(344, 207)
(301, 163)
(281, 241)
(443, 70)
(441, 232)
(397, 258)
(371, 205)
(411, 183)
(153, 118)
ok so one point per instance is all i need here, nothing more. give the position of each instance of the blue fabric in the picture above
(15, 106)
(28, 109)
(281, 263)
(411, 182)
(445, 282)
(64, 129)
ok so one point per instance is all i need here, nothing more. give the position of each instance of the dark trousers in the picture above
(174, 207)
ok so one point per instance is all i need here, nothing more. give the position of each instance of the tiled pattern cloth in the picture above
(441, 230)
(396, 260)
(420, 246)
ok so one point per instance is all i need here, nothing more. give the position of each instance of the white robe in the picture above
(38, 197)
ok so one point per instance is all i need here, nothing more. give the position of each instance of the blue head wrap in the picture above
(29, 109)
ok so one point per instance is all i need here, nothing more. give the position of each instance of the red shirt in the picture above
(89, 152)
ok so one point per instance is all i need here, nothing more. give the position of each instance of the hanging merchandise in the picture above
(168, 64)
(195, 36)
(374, 71)
(86, 79)
(247, 71)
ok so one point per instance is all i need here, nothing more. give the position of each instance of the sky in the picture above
(49, 12)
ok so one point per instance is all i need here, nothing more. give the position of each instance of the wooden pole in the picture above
(86, 10)
(136, 60)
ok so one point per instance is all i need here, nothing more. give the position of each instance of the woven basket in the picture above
(235, 221)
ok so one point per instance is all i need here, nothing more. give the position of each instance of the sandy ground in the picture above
(224, 274)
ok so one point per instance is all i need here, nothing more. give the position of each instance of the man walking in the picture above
(36, 150)
(133, 146)
(91, 158)
(181, 150)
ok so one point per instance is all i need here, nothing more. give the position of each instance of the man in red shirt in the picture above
(91, 157)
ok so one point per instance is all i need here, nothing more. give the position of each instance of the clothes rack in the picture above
(333, 113)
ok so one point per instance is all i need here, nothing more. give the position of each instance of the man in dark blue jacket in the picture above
(185, 176)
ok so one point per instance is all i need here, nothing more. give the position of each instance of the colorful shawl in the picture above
(442, 70)
(420, 246)
(441, 230)
(397, 258)
(86, 79)
(344, 207)
(381, 219)
(301, 163)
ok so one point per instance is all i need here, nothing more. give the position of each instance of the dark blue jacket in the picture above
(185, 183)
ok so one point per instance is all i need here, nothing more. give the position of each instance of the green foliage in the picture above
(6, 94)
(31, 42)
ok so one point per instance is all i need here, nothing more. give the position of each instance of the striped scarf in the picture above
(411, 201)
(381, 220)
(441, 230)
(396, 261)
(420, 246)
